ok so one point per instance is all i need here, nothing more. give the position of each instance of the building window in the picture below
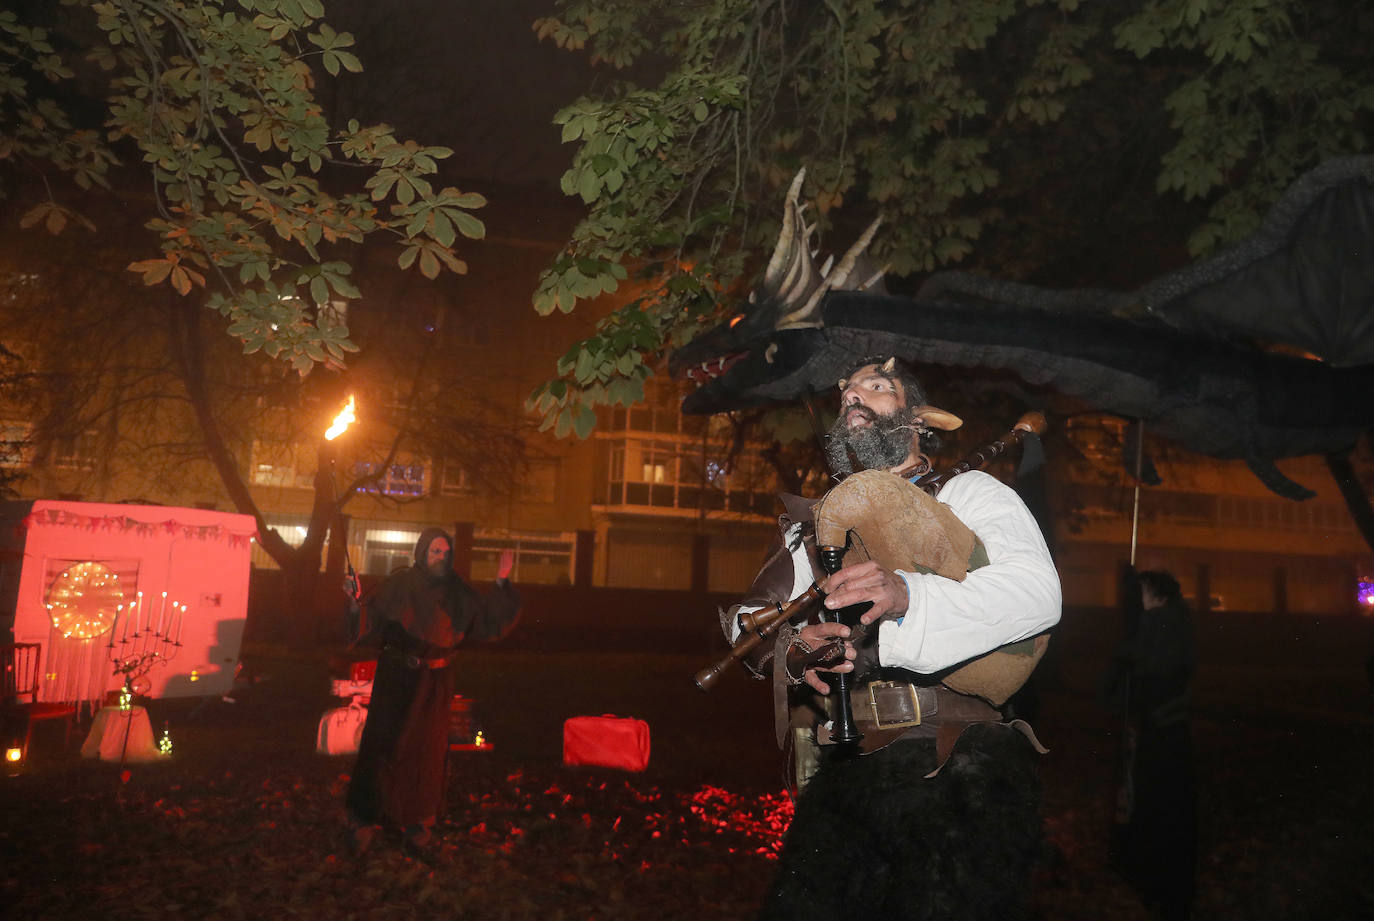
(1271, 514)
(265, 474)
(380, 548)
(659, 413)
(680, 475)
(541, 557)
(14, 444)
(540, 482)
(286, 465)
(396, 480)
(387, 549)
(657, 464)
(453, 479)
(75, 452)
(659, 458)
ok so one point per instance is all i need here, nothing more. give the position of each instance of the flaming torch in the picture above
(342, 421)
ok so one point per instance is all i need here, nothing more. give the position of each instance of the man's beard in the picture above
(439, 569)
(882, 444)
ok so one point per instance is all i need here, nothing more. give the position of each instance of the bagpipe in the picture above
(880, 516)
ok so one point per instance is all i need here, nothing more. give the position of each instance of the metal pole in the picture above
(1135, 511)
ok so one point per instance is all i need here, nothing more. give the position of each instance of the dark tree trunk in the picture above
(299, 602)
(300, 579)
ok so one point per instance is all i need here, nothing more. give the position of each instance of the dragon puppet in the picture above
(1260, 352)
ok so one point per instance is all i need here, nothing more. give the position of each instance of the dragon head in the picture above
(747, 360)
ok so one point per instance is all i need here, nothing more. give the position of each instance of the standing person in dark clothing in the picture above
(419, 615)
(1151, 676)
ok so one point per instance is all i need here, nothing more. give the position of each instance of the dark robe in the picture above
(419, 621)
(1155, 844)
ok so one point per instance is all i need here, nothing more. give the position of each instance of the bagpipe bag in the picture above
(884, 517)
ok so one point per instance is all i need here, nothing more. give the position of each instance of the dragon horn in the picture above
(801, 271)
(791, 238)
(875, 277)
(804, 316)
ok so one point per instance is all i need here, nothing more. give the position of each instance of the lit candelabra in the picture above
(142, 638)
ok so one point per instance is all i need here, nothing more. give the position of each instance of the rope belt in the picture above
(415, 662)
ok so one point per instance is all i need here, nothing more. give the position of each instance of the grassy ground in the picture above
(244, 820)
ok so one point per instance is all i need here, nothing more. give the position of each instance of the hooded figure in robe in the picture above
(418, 616)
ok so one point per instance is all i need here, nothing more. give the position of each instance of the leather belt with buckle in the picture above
(896, 704)
(885, 710)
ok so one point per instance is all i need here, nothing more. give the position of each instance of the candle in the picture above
(138, 612)
(161, 613)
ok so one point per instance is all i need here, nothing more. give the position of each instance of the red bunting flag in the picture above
(141, 528)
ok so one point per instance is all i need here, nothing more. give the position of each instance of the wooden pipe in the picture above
(757, 627)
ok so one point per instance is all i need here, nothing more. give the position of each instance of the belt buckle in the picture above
(875, 686)
(412, 661)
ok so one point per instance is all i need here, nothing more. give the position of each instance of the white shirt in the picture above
(1015, 596)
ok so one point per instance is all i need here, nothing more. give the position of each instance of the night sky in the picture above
(467, 74)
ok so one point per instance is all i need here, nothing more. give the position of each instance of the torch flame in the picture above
(341, 421)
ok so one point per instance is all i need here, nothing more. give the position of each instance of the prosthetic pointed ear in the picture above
(844, 381)
(936, 418)
(890, 365)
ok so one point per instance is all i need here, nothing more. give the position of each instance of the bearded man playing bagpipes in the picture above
(919, 800)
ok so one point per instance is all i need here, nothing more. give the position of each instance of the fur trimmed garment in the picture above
(873, 837)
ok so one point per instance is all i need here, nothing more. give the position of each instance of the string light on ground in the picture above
(164, 745)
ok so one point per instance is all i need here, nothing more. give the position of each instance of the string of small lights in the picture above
(83, 600)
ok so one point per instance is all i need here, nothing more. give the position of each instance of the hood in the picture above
(427, 537)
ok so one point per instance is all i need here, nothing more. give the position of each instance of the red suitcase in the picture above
(606, 741)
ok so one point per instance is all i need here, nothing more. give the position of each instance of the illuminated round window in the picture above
(84, 599)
